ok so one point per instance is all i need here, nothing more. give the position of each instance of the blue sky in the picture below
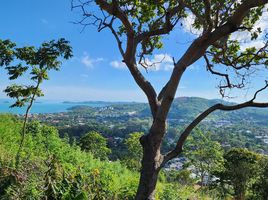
(95, 72)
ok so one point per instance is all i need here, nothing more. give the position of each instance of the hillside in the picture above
(51, 168)
(243, 128)
(183, 108)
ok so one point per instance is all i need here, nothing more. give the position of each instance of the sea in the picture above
(46, 107)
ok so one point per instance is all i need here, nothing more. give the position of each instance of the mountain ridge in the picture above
(186, 108)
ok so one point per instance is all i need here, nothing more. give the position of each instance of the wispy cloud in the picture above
(187, 25)
(90, 62)
(244, 37)
(118, 64)
(161, 62)
(157, 62)
(195, 68)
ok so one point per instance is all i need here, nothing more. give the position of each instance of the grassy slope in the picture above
(43, 143)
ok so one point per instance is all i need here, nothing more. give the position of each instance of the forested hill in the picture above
(242, 128)
(183, 108)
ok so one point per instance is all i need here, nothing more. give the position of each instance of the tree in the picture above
(183, 177)
(240, 168)
(96, 144)
(204, 154)
(260, 186)
(39, 61)
(134, 155)
(138, 28)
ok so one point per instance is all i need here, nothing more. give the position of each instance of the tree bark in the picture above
(241, 196)
(151, 165)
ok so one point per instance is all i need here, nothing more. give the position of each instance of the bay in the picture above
(46, 107)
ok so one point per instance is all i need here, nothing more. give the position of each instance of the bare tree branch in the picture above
(228, 83)
(198, 48)
(129, 54)
(179, 147)
(209, 68)
(168, 25)
(249, 58)
(119, 42)
(113, 9)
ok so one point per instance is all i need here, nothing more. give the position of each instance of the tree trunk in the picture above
(151, 165)
(241, 196)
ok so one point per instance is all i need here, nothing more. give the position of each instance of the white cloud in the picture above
(90, 62)
(195, 68)
(244, 37)
(87, 61)
(187, 25)
(118, 64)
(163, 62)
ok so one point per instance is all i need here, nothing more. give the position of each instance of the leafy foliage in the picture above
(240, 169)
(38, 60)
(204, 154)
(96, 144)
(260, 186)
(134, 155)
(52, 168)
(6, 52)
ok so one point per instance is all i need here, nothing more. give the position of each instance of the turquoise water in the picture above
(43, 107)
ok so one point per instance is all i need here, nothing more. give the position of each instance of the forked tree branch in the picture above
(119, 42)
(228, 83)
(179, 147)
(235, 62)
(198, 48)
(146, 86)
(129, 54)
(212, 71)
(168, 24)
(114, 10)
